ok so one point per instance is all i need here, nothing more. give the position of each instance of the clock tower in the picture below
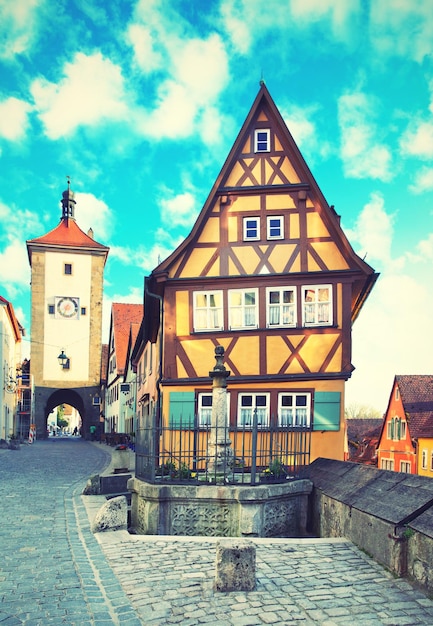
(67, 269)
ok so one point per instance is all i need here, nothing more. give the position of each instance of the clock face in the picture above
(67, 307)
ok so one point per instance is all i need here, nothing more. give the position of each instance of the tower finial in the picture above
(262, 80)
(68, 202)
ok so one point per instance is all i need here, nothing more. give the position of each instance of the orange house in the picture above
(268, 274)
(406, 439)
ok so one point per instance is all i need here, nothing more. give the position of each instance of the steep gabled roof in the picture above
(123, 316)
(286, 172)
(416, 392)
(16, 326)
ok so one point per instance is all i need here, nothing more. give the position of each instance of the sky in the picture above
(140, 102)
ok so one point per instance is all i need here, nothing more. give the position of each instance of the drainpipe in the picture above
(161, 337)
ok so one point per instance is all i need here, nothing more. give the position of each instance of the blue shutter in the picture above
(327, 410)
(181, 409)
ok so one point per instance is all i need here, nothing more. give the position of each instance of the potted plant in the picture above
(275, 472)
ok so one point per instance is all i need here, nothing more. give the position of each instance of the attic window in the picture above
(251, 228)
(262, 141)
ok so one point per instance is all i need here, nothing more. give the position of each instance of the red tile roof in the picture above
(66, 234)
(416, 392)
(124, 315)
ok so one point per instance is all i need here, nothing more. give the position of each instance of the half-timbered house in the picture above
(268, 274)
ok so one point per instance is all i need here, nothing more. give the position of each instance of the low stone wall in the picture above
(220, 511)
(387, 514)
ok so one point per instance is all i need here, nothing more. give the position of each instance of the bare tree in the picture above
(361, 412)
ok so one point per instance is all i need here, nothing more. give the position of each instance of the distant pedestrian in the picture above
(93, 432)
(75, 431)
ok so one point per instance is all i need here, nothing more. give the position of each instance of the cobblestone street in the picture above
(54, 571)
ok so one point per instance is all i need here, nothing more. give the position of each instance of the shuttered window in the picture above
(181, 410)
(327, 410)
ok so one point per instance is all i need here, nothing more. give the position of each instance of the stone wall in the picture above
(387, 514)
(221, 511)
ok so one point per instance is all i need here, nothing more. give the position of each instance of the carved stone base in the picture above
(220, 511)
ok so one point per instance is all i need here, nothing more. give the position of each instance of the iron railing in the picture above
(255, 454)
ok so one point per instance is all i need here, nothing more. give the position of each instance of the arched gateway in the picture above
(67, 268)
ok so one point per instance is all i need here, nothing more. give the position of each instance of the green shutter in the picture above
(327, 410)
(181, 410)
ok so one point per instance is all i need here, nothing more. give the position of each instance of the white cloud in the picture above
(423, 180)
(362, 154)
(418, 140)
(304, 131)
(91, 91)
(147, 57)
(402, 27)
(338, 12)
(18, 26)
(180, 210)
(91, 212)
(14, 263)
(13, 118)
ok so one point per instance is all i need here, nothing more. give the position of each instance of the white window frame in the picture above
(248, 227)
(280, 218)
(316, 306)
(245, 412)
(387, 464)
(213, 317)
(204, 414)
(262, 140)
(405, 467)
(281, 310)
(297, 414)
(243, 309)
(424, 459)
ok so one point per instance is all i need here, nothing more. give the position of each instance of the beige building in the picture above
(67, 267)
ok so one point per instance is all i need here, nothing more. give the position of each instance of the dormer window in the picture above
(251, 228)
(262, 140)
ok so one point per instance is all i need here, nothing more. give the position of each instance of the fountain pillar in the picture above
(220, 453)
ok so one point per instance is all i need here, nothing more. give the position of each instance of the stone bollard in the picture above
(113, 515)
(235, 565)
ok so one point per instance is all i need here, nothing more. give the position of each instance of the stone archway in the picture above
(66, 396)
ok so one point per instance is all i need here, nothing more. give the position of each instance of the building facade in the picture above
(67, 267)
(268, 274)
(10, 359)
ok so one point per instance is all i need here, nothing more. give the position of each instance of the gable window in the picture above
(294, 409)
(281, 306)
(208, 310)
(250, 404)
(275, 227)
(251, 228)
(262, 140)
(317, 305)
(68, 269)
(243, 308)
(396, 429)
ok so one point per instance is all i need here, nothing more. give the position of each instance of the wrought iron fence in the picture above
(254, 455)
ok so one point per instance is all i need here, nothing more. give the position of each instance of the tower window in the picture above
(68, 269)
(83, 310)
(51, 309)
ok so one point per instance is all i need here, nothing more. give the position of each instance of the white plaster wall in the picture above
(70, 335)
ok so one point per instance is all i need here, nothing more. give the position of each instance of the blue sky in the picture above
(140, 102)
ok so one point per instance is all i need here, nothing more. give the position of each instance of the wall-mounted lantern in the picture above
(63, 360)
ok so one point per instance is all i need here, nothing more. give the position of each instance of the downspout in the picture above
(161, 337)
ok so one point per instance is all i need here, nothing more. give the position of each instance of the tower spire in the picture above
(68, 202)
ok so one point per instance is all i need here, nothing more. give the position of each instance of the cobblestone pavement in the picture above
(54, 571)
